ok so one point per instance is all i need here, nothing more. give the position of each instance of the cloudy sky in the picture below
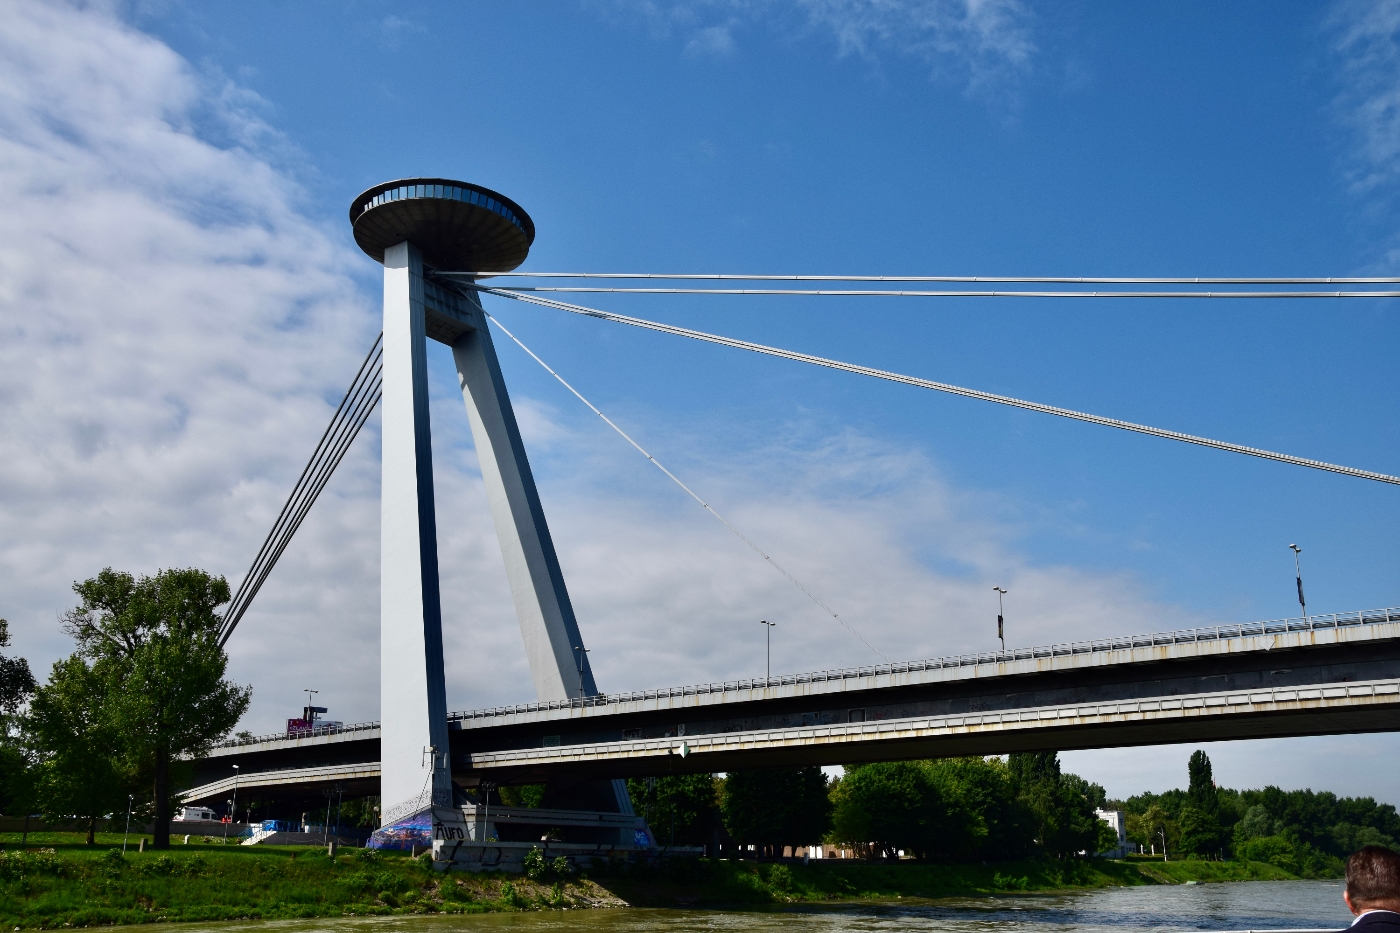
(181, 306)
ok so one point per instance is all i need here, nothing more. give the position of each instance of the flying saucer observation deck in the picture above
(456, 225)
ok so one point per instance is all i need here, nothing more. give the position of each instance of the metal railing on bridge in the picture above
(1210, 633)
(237, 741)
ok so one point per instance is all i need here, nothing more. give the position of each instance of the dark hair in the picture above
(1373, 878)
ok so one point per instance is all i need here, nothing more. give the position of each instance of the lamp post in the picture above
(310, 716)
(768, 664)
(485, 787)
(129, 799)
(329, 793)
(1001, 630)
(1298, 567)
(581, 653)
(233, 804)
(1163, 833)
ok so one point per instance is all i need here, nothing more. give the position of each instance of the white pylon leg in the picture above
(558, 664)
(412, 699)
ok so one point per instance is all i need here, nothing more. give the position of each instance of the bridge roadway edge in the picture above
(1330, 657)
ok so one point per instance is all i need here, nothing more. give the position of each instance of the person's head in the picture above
(1373, 880)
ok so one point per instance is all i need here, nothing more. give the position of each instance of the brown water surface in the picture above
(1255, 905)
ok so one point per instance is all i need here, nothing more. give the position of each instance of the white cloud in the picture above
(711, 40)
(1366, 40)
(984, 44)
(174, 334)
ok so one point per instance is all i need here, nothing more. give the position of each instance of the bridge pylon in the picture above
(415, 226)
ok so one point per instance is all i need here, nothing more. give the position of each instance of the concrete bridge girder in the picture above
(1344, 708)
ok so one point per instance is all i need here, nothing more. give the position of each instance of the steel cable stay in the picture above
(308, 496)
(350, 415)
(342, 432)
(932, 293)
(938, 280)
(949, 279)
(705, 505)
(364, 393)
(937, 386)
(363, 397)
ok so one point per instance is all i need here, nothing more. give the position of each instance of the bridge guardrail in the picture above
(236, 741)
(1333, 620)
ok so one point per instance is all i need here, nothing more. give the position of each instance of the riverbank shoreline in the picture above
(58, 882)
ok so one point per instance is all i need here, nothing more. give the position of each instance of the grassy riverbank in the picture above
(707, 883)
(70, 884)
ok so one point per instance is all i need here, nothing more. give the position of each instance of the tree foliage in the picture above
(16, 686)
(1062, 805)
(1303, 831)
(681, 810)
(777, 807)
(78, 770)
(960, 809)
(146, 683)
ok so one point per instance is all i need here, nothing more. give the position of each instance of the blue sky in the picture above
(199, 160)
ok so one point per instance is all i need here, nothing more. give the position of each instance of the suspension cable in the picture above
(950, 279)
(935, 293)
(705, 505)
(938, 386)
(350, 415)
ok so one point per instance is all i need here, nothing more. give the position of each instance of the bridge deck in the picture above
(971, 704)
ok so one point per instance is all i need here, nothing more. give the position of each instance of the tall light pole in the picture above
(1298, 566)
(233, 804)
(129, 799)
(1001, 629)
(581, 653)
(768, 665)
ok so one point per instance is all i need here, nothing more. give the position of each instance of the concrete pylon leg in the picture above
(553, 644)
(412, 699)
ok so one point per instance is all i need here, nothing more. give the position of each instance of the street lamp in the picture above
(307, 713)
(1298, 566)
(129, 799)
(233, 804)
(1001, 630)
(768, 665)
(485, 787)
(581, 653)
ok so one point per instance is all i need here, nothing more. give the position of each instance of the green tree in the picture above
(78, 770)
(998, 823)
(16, 681)
(1200, 832)
(927, 809)
(1062, 805)
(1255, 825)
(154, 641)
(778, 807)
(1201, 791)
(681, 810)
(16, 686)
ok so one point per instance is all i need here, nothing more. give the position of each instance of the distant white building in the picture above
(1119, 822)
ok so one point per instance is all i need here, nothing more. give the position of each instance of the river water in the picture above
(1254, 905)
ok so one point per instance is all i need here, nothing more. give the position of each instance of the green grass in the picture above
(74, 885)
(711, 883)
(1194, 870)
(67, 883)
